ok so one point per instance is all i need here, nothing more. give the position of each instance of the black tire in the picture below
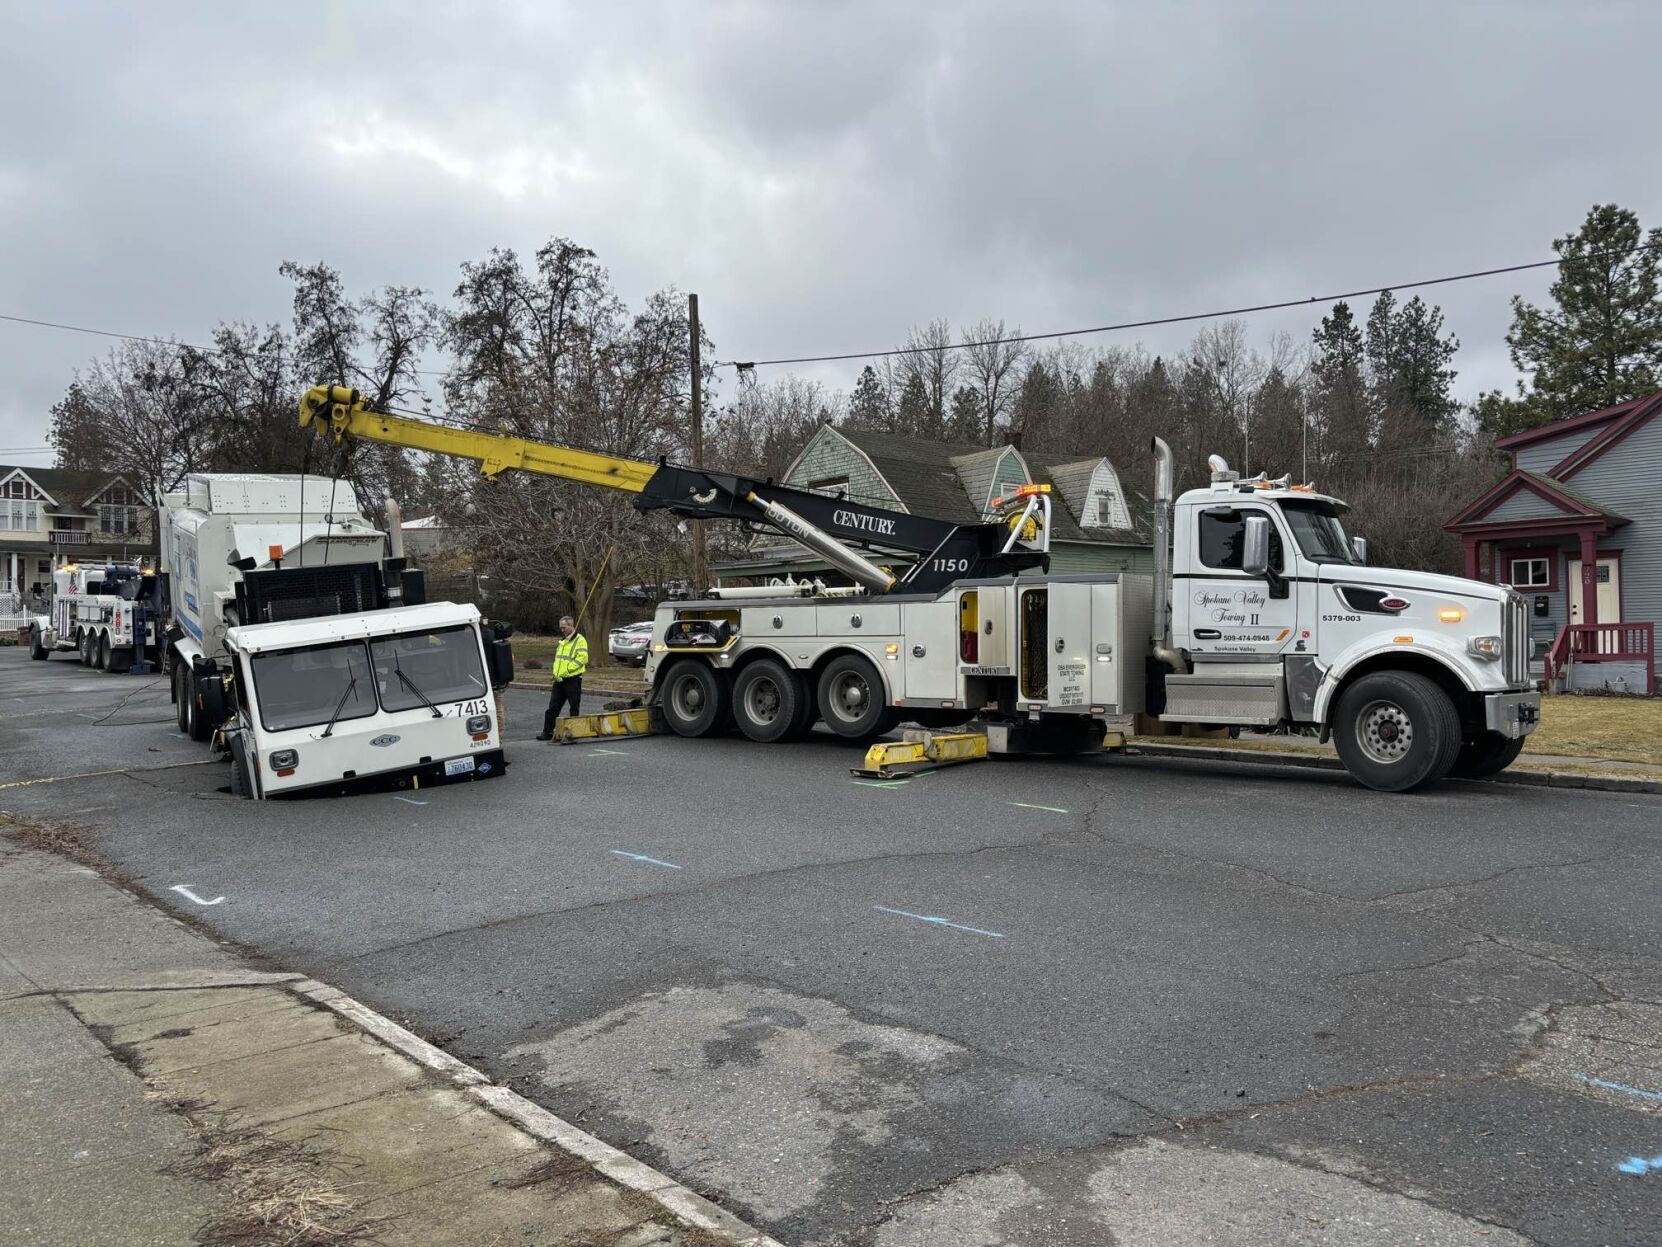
(81, 640)
(694, 698)
(121, 660)
(181, 697)
(201, 727)
(767, 700)
(1490, 754)
(851, 699)
(1396, 731)
(101, 652)
(242, 783)
(37, 651)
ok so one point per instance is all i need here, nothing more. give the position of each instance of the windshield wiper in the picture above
(411, 685)
(351, 684)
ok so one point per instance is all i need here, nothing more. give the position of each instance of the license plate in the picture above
(458, 766)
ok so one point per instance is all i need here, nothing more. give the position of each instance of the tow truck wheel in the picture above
(37, 651)
(1396, 730)
(1490, 754)
(695, 698)
(767, 700)
(81, 639)
(851, 699)
(121, 660)
(101, 652)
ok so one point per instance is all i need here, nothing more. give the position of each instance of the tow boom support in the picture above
(944, 551)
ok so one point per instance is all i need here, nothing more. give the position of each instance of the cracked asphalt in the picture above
(1025, 1002)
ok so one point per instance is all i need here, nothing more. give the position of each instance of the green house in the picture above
(1097, 523)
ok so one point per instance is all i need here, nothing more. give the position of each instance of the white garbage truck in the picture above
(299, 642)
(1261, 613)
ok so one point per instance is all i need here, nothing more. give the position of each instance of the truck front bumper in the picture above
(1512, 714)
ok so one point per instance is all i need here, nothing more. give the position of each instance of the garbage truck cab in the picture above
(393, 698)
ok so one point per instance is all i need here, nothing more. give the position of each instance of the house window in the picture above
(19, 516)
(1531, 573)
(830, 486)
(114, 519)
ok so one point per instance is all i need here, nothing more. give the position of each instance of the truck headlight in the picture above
(284, 761)
(479, 726)
(1484, 647)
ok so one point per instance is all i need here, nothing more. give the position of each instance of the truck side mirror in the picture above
(1359, 547)
(1255, 560)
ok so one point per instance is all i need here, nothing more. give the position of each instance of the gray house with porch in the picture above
(1576, 526)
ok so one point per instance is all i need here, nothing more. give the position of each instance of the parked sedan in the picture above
(630, 643)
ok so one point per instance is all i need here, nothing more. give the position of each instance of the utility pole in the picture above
(701, 558)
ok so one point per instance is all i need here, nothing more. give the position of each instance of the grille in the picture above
(1515, 641)
(282, 594)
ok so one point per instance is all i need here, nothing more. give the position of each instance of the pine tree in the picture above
(964, 421)
(1602, 342)
(868, 405)
(1343, 418)
(915, 415)
(1410, 380)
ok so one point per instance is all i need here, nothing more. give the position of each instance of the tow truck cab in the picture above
(1278, 619)
(391, 698)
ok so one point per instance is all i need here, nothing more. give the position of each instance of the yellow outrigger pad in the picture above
(921, 751)
(640, 722)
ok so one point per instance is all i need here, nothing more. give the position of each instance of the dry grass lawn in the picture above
(1626, 729)
(529, 647)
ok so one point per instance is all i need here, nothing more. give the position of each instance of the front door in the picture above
(1608, 575)
(1224, 613)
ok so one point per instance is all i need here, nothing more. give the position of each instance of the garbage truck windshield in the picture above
(419, 669)
(306, 687)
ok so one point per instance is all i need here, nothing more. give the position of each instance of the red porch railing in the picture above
(1619, 642)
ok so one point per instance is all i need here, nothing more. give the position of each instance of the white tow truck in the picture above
(311, 659)
(1261, 613)
(107, 613)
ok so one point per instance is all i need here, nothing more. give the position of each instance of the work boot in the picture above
(545, 735)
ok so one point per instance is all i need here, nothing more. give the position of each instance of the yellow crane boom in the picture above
(344, 412)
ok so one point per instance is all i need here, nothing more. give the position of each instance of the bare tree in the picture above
(929, 358)
(994, 367)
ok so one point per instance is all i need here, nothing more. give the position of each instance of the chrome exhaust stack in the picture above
(1161, 633)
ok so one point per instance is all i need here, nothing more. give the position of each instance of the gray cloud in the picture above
(825, 175)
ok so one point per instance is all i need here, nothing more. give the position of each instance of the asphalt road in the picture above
(1168, 1000)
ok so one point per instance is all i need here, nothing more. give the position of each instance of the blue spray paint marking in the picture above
(1616, 1086)
(1640, 1165)
(939, 922)
(641, 857)
(409, 801)
(1026, 805)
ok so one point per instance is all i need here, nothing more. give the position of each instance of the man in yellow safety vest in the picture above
(571, 660)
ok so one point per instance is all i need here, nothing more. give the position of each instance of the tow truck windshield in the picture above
(1317, 530)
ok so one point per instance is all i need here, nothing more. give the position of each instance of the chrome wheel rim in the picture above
(850, 695)
(688, 696)
(762, 701)
(1384, 731)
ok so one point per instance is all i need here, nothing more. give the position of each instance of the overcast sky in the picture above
(823, 175)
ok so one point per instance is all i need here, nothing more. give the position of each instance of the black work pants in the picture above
(566, 692)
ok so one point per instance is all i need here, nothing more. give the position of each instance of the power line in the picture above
(1187, 318)
(746, 365)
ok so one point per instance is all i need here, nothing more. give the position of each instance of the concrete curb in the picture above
(1321, 762)
(625, 1170)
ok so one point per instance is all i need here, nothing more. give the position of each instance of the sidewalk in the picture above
(158, 1091)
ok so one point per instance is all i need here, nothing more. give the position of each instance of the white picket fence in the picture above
(14, 616)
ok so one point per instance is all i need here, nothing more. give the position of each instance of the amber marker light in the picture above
(1451, 614)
